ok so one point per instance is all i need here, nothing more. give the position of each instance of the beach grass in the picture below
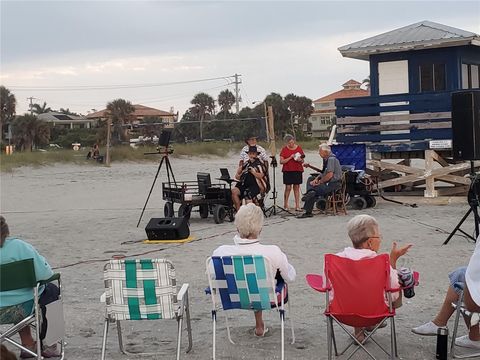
(127, 153)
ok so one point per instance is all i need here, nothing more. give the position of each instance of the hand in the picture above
(314, 182)
(397, 252)
(306, 164)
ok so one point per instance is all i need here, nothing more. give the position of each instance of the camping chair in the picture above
(245, 283)
(359, 298)
(21, 275)
(336, 201)
(474, 319)
(143, 289)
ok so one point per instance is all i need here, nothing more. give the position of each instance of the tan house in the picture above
(141, 112)
(65, 121)
(324, 108)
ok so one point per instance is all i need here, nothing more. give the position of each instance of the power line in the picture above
(112, 87)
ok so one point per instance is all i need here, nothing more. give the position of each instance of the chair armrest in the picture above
(183, 291)
(54, 277)
(103, 297)
(316, 282)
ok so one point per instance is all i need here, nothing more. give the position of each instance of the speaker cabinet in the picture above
(466, 125)
(167, 229)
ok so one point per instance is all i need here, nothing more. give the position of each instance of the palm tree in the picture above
(7, 108)
(203, 104)
(226, 99)
(28, 131)
(37, 109)
(120, 111)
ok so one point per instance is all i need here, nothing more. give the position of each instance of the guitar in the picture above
(312, 167)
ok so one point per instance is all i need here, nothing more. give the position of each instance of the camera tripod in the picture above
(274, 209)
(473, 202)
(165, 152)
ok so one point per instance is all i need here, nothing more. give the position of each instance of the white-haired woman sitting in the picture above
(249, 222)
(364, 233)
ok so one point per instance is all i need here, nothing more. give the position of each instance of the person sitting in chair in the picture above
(251, 140)
(15, 305)
(364, 233)
(251, 178)
(328, 181)
(249, 222)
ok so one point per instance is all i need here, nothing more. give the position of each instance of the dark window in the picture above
(470, 76)
(432, 77)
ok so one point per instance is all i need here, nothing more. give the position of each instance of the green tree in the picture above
(204, 107)
(300, 110)
(281, 113)
(67, 112)
(28, 132)
(7, 108)
(120, 111)
(226, 99)
(41, 109)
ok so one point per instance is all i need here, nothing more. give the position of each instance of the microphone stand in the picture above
(274, 209)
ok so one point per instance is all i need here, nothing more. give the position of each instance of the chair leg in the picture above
(189, 325)
(120, 338)
(392, 339)
(329, 338)
(455, 327)
(38, 326)
(395, 336)
(291, 323)
(228, 329)
(179, 335)
(105, 333)
(282, 323)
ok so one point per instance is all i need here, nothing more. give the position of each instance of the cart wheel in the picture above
(203, 211)
(168, 209)
(359, 203)
(219, 213)
(371, 201)
(321, 204)
(184, 211)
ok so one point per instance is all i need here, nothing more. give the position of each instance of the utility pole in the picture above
(109, 130)
(237, 97)
(31, 98)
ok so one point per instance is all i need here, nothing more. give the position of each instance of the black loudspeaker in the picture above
(466, 125)
(167, 229)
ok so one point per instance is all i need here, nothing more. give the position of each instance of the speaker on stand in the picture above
(466, 146)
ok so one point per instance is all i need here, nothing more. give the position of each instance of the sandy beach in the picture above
(78, 217)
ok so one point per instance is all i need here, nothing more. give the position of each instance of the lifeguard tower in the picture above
(413, 72)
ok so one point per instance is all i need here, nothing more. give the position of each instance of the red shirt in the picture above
(291, 165)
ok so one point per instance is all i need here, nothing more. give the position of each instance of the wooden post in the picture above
(109, 131)
(430, 191)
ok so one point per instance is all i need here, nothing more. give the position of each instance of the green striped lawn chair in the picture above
(143, 289)
(245, 283)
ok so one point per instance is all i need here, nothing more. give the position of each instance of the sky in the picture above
(82, 54)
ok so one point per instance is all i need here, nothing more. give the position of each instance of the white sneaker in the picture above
(464, 341)
(428, 329)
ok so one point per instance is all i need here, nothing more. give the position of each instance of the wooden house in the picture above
(413, 72)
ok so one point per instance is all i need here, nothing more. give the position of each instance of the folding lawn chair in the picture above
(21, 275)
(473, 317)
(245, 283)
(359, 288)
(143, 289)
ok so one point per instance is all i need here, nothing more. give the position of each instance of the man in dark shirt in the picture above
(329, 180)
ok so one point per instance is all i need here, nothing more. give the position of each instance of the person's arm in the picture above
(397, 252)
(286, 269)
(258, 174)
(43, 271)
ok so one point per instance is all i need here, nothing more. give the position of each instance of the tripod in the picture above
(473, 202)
(170, 174)
(272, 210)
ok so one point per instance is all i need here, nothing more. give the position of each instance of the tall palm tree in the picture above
(37, 109)
(203, 104)
(28, 131)
(226, 99)
(7, 108)
(120, 111)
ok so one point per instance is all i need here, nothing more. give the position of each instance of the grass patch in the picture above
(127, 153)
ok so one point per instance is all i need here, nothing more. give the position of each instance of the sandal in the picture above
(265, 331)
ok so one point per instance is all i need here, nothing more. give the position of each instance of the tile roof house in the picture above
(324, 108)
(61, 120)
(141, 112)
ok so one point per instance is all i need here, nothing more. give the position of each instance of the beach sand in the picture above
(78, 217)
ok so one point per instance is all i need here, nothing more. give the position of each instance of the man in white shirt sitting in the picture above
(249, 222)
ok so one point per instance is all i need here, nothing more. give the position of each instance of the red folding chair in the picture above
(360, 290)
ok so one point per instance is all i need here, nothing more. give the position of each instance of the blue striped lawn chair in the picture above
(245, 283)
(143, 289)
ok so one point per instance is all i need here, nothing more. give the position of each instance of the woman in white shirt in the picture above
(249, 222)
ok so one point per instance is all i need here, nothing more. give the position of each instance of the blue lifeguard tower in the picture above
(413, 72)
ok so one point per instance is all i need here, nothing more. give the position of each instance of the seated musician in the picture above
(251, 179)
(251, 140)
(328, 181)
